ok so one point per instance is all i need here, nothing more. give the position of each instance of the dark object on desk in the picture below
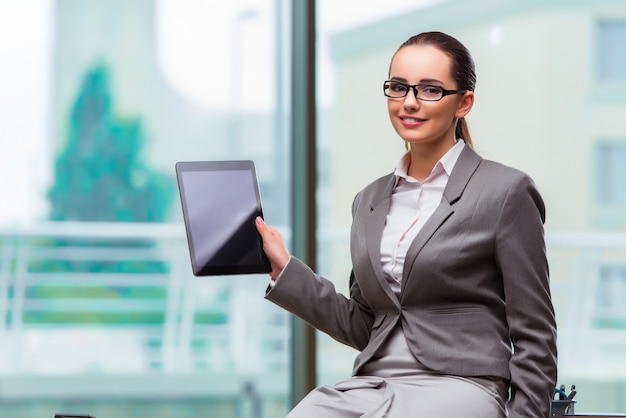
(572, 392)
(560, 392)
(73, 416)
(560, 408)
(564, 403)
(563, 406)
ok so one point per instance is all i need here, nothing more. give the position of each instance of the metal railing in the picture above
(120, 297)
(172, 322)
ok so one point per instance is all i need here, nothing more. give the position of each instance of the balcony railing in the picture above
(119, 299)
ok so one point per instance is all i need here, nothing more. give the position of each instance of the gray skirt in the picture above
(395, 384)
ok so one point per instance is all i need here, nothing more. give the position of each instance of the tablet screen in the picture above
(220, 201)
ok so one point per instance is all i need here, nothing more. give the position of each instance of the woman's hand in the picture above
(274, 247)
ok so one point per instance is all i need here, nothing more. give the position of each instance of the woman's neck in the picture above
(425, 156)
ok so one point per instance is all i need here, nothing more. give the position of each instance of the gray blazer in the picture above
(475, 297)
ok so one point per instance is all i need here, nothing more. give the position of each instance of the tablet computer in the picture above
(220, 201)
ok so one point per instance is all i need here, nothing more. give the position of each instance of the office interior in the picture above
(99, 99)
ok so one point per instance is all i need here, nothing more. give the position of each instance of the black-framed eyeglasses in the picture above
(426, 92)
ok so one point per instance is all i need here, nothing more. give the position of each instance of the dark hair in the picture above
(462, 70)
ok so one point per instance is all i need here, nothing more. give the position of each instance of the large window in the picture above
(538, 109)
(99, 311)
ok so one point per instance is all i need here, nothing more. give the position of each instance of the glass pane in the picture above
(99, 311)
(611, 51)
(535, 110)
(610, 172)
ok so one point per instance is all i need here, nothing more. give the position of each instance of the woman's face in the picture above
(421, 122)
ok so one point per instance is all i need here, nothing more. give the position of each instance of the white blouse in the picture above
(412, 203)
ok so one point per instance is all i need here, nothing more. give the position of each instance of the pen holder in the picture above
(558, 408)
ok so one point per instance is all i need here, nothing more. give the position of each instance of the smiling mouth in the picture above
(412, 120)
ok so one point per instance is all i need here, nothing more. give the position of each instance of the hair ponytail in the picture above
(462, 131)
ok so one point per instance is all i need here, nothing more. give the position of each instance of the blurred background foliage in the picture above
(100, 177)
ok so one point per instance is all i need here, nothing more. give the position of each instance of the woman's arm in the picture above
(521, 257)
(313, 298)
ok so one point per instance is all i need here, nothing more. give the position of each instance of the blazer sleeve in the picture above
(521, 257)
(314, 299)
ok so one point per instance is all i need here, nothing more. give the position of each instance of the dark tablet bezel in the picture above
(261, 264)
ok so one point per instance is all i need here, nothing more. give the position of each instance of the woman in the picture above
(449, 303)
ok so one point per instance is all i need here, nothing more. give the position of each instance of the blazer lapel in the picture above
(465, 166)
(463, 170)
(379, 207)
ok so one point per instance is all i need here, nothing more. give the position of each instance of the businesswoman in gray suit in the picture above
(449, 301)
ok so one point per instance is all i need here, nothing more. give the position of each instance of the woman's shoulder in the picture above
(379, 184)
(496, 177)
(504, 180)
(376, 189)
(501, 172)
